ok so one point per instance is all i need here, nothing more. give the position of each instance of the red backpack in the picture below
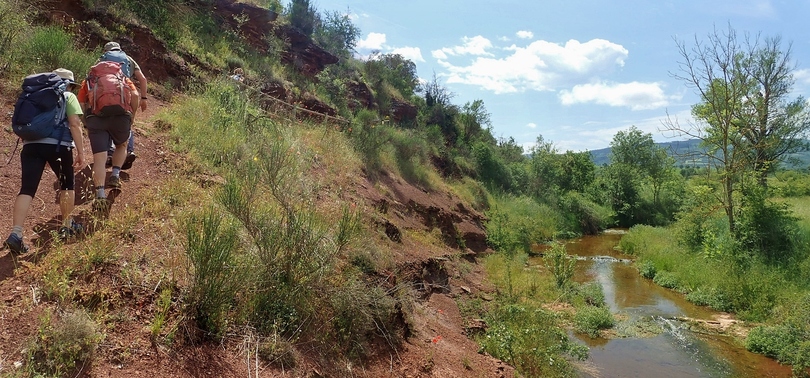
(109, 94)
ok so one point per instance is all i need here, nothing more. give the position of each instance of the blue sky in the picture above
(574, 71)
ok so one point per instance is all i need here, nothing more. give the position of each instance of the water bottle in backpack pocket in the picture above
(40, 109)
(109, 94)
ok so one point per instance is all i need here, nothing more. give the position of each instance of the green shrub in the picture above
(710, 297)
(210, 246)
(561, 265)
(370, 137)
(13, 30)
(591, 319)
(529, 339)
(517, 223)
(63, 345)
(411, 155)
(666, 279)
(766, 228)
(592, 294)
(363, 313)
(647, 269)
(583, 215)
(778, 342)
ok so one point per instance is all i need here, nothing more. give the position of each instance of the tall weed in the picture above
(211, 245)
(370, 138)
(517, 223)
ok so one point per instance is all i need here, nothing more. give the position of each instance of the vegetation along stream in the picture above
(650, 338)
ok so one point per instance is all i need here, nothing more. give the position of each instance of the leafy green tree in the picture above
(393, 69)
(474, 123)
(490, 167)
(638, 150)
(303, 16)
(336, 33)
(545, 168)
(620, 184)
(577, 171)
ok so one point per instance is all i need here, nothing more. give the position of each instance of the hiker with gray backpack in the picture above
(46, 118)
(131, 69)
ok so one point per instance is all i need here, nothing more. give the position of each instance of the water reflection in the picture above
(677, 352)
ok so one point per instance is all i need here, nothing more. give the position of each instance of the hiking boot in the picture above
(101, 206)
(74, 230)
(108, 164)
(114, 182)
(129, 160)
(15, 244)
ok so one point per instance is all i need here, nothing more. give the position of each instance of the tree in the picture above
(336, 33)
(774, 124)
(474, 123)
(393, 69)
(303, 16)
(746, 120)
(714, 71)
(638, 150)
(545, 168)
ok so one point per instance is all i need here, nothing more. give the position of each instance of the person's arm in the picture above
(82, 97)
(141, 79)
(75, 124)
(135, 98)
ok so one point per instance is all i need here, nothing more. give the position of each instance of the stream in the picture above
(671, 349)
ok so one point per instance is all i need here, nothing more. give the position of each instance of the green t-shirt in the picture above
(73, 107)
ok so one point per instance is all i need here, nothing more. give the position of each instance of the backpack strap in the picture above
(61, 120)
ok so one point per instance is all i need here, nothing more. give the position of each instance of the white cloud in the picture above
(540, 66)
(374, 41)
(802, 76)
(439, 54)
(525, 34)
(477, 45)
(634, 95)
(413, 54)
(531, 125)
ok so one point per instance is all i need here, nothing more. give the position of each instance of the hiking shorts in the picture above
(33, 158)
(101, 129)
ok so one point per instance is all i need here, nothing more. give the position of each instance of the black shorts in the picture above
(101, 129)
(33, 158)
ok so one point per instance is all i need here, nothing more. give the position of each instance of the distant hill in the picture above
(685, 152)
(689, 153)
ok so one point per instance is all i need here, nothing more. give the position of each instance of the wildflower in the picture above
(437, 339)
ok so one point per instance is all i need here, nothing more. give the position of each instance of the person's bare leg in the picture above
(119, 155)
(67, 201)
(21, 205)
(99, 171)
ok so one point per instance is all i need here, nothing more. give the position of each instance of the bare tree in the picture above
(712, 69)
(775, 125)
(745, 119)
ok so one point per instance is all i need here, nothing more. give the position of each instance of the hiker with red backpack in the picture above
(131, 69)
(109, 100)
(46, 118)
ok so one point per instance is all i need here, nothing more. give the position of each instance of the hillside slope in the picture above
(139, 251)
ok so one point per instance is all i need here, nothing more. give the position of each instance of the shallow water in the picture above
(675, 352)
